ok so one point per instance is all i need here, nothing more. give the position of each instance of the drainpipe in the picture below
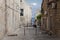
(5, 16)
(48, 20)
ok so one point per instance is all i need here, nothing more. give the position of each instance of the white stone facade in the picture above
(2, 18)
(9, 16)
(27, 14)
(13, 15)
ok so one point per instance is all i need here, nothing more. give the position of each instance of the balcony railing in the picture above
(51, 0)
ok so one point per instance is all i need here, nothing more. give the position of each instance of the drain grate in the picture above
(13, 35)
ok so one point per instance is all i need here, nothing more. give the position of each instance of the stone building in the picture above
(26, 14)
(51, 12)
(44, 18)
(9, 17)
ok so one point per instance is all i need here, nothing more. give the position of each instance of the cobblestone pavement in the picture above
(30, 34)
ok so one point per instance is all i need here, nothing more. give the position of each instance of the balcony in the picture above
(51, 1)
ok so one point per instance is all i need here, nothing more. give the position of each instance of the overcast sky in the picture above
(36, 4)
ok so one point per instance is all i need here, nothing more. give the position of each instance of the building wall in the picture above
(27, 14)
(53, 16)
(9, 16)
(2, 18)
(44, 19)
(13, 15)
(57, 24)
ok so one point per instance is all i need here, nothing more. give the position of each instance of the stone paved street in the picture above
(30, 34)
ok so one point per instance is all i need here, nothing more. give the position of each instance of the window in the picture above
(20, 0)
(21, 14)
(45, 12)
(53, 5)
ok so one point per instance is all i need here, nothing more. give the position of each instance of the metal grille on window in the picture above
(21, 14)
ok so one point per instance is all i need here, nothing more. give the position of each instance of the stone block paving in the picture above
(30, 34)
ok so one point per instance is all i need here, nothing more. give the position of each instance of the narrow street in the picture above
(29, 19)
(30, 34)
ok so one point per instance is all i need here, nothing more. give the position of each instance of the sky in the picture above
(36, 4)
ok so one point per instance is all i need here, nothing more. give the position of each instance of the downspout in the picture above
(5, 16)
